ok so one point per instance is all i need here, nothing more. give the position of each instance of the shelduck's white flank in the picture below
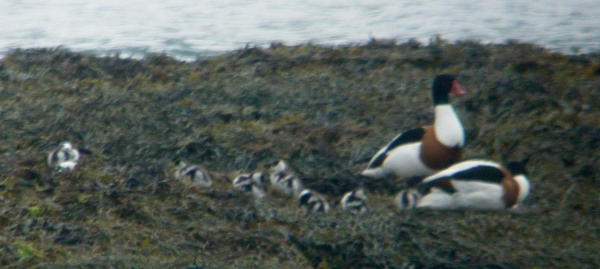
(402, 161)
(468, 195)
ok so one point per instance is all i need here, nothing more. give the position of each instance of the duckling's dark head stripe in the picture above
(405, 200)
(191, 172)
(353, 198)
(304, 198)
(481, 173)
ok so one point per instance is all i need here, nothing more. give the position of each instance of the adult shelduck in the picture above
(474, 184)
(425, 150)
(196, 174)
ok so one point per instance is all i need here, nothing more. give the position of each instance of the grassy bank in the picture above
(326, 110)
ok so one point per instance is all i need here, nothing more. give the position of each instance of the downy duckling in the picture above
(355, 201)
(284, 180)
(313, 202)
(64, 157)
(250, 183)
(196, 174)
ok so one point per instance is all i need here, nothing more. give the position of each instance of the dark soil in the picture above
(326, 110)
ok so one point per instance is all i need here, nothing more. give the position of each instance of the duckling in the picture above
(355, 201)
(422, 151)
(313, 202)
(407, 198)
(473, 184)
(196, 174)
(250, 183)
(64, 157)
(283, 179)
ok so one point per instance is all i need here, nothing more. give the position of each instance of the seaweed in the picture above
(324, 109)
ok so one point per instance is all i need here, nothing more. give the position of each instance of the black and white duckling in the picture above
(408, 198)
(422, 151)
(195, 174)
(64, 157)
(313, 202)
(283, 179)
(250, 183)
(473, 184)
(355, 201)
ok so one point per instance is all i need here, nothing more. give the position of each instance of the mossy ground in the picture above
(326, 110)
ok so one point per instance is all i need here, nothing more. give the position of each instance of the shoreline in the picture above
(139, 53)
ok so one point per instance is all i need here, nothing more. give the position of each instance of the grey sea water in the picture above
(190, 28)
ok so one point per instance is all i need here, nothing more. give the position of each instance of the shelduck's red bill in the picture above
(456, 89)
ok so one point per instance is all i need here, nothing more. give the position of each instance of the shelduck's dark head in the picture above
(519, 172)
(516, 168)
(443, 85)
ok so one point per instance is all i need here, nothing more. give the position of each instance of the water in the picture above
(190, 28)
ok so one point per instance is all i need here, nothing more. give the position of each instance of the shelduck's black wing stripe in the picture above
(442, 183)
(480, 173)
(410, 136)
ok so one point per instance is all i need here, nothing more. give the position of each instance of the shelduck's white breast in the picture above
(448, 129)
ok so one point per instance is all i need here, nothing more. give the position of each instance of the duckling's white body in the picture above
(67, 166)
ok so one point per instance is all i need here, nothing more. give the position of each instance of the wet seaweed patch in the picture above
(324, 109)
